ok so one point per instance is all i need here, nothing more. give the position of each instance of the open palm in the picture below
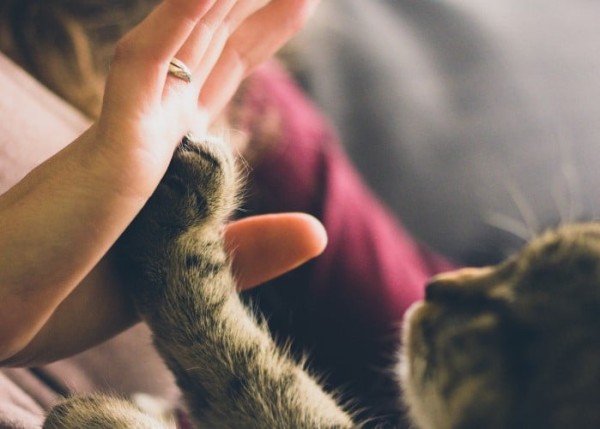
(146, 111)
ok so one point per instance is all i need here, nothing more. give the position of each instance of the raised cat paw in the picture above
(228, 367)
(182, 221)
(198, 189)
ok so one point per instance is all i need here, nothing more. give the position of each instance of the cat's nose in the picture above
(451, 285)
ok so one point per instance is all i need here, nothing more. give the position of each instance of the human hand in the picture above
(58, 223)
(262, 247)
(146, 112)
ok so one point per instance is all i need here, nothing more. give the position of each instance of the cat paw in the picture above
(198, 187)
(196, 195)
(176, 240)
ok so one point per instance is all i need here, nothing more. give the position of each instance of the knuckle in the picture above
(125, 49)
(130, 52)
(188, 12)
(205, 31)
(302, 10)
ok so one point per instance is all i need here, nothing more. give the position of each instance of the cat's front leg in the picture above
(230, 370)
(100, 412)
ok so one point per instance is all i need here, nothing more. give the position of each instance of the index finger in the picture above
(256, 40)
(142, 57)
(264, 247)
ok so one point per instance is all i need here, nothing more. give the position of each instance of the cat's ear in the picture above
(458, 285)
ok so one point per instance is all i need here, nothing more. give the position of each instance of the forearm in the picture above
(95, 311)
(55, 226)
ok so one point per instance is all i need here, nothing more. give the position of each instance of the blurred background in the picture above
(477, 121)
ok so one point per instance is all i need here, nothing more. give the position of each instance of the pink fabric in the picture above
(371, 268)
(346, 306)
(30, 114)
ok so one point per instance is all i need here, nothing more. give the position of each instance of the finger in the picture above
(263, 33)
(256, 40)
(167, 27)
(193, 50)
(264, 247)
(242, 10)
(220, 35)
(206, 42)
(141, 58)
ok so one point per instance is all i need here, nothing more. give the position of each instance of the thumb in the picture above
(266, 246)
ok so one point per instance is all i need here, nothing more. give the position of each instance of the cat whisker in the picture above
(511, 225)
(570, 207)
(524, 207)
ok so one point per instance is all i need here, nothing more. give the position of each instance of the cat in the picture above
(512, 346)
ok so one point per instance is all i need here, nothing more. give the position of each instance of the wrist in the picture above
(55, 226)
(117, 168)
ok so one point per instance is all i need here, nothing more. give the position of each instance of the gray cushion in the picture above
(476, 120)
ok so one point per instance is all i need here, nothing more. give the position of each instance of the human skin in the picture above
(59, 293)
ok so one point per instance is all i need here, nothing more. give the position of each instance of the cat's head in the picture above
(511, 346)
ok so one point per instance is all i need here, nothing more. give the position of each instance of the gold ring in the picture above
(178, 69)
